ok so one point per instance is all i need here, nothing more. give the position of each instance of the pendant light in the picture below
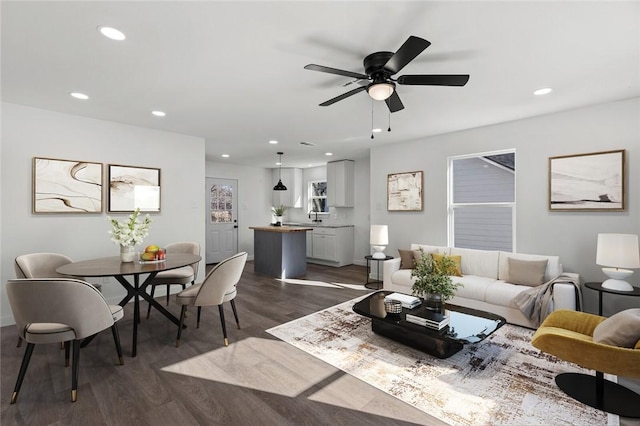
(279, 186)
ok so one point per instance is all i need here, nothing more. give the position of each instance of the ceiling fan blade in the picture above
(344, 95)
(434, 80)
(314, 67)
(407, 52)
(394, 103)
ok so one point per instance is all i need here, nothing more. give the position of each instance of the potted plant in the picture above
(278, 212)
(433, 280)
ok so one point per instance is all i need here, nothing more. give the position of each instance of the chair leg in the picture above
(67, 347)
(23, 369)
(153, 291)
(235, 312)
(168, 288)
(182, 312)
(116, 339)
(224, 326)
(198, 320)
(75, 364)
(19, 342)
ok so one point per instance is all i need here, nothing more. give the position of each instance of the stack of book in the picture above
(427, 318)
(407, 301)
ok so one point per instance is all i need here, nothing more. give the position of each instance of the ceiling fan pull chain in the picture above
(389, 115)
(371, 118)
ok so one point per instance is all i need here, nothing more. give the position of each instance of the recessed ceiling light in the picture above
(159, 113)
(273, 141)
(225, 156)
(328, 153)
(376, 130)
(112, 33)
(79, 95)
(543, 91)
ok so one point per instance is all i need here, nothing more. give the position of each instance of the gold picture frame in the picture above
(594, 181)
(404, 191)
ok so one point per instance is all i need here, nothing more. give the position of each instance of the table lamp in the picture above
(379, 239)
(616, 251)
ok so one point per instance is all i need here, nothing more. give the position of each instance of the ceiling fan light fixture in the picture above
(380, 91)
(280, 186)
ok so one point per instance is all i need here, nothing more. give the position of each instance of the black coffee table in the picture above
(466, 325)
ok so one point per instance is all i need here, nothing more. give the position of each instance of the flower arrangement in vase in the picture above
(128, 234)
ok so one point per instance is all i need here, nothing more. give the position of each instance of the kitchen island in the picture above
(280, 251)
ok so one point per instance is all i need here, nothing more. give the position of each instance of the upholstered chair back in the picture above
(220, 282)
(75, 303)
(187, 247)
(40, 265)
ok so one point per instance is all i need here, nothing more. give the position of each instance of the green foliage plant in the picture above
(278, 210)
(434, 276)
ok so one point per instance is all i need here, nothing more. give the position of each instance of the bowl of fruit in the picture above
(153, 253)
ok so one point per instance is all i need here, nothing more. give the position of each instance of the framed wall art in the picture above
(66, 186)
(404, 191)
(588, 182)
(133, 187)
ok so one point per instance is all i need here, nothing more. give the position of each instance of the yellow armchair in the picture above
(568, 335)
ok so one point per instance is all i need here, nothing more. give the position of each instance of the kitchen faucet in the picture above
(316, 220)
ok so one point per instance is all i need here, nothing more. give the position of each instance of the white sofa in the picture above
(483, 281)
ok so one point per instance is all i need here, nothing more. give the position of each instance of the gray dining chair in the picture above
(180, 276)
(56, 310)
(42, 265)
(219, 286)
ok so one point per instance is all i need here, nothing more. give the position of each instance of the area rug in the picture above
(502, 380)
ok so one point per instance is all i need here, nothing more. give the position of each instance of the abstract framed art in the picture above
(588, 182)
(404, 191)
(66, 186)
(133, 187)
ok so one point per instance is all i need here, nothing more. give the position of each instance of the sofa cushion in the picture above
(483, 263)
(407, 258)
(554, 268)
(526, 272)
(456, 260)
(621, 329)
(402, 278)
(503, 294)
(473, 286)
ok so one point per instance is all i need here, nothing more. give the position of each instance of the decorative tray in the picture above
(152, 261)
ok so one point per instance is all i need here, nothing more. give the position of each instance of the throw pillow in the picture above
(456, 259)
(621, 329)
(406, 259)
(526, 272)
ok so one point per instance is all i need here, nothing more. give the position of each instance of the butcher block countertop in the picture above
(281, 229)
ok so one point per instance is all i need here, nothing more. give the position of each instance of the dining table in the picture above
(128, 275)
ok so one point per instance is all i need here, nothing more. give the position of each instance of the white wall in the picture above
(30, 132)
(571, 235)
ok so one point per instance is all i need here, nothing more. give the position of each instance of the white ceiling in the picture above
(232, 72)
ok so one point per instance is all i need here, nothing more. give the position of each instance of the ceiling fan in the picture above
(380, 66)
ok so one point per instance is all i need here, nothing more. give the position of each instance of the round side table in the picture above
(376, 282)
(598, 287)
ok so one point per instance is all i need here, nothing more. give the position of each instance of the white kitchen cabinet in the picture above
(332, 246)
(340, 183)
(292, 179)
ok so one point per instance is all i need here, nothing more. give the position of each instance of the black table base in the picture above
(434, 344)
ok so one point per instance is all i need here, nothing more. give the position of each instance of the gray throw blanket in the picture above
(534, 302)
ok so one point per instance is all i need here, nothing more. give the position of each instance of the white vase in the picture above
(278, 220)
(127, 253)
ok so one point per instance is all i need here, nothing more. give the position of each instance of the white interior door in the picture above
(222, 219)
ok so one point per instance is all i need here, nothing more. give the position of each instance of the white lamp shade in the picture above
(379, 235)
(618, 251)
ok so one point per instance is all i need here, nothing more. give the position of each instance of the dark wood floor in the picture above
(256, 380)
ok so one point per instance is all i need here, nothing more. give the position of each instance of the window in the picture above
(482, 201)
(317, 197)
